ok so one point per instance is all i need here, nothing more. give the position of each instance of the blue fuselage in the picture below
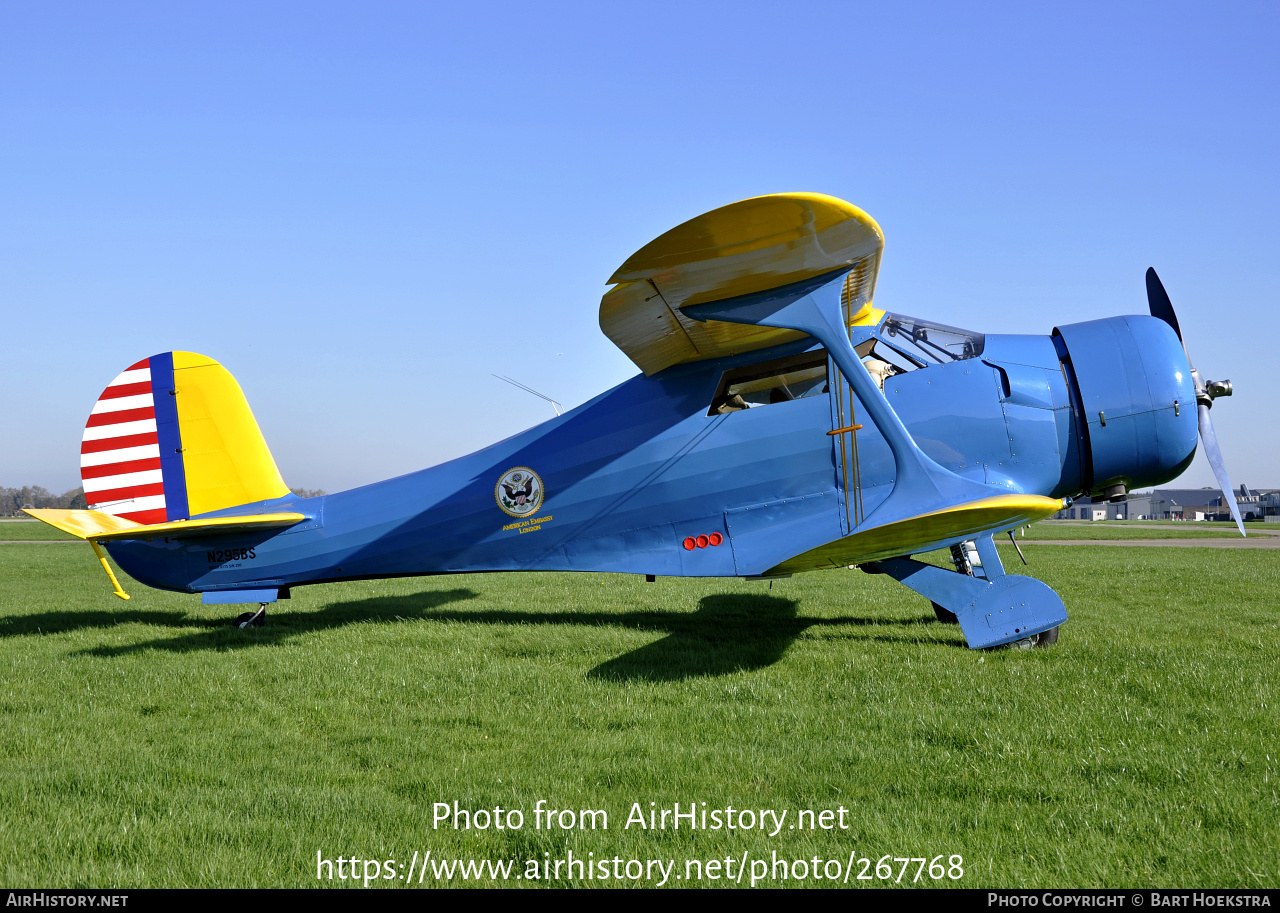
(632, 474)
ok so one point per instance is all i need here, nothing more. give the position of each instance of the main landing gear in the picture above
(253, 619)
(992, 608)
(1043, 639)
(965, 558)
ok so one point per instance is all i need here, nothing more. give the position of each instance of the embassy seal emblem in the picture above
(519, 491)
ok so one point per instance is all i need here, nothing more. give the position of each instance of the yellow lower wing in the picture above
(925, 532)
(95, 525)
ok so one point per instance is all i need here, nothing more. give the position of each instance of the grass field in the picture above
(149, 744)
(13, 530)
(1099, 530)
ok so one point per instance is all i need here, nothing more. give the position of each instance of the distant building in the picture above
(1269, 501)
(1191, 504)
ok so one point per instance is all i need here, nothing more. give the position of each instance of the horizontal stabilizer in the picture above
(925, 532)
(102, 527)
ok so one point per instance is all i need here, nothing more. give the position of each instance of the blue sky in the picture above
(365, 210)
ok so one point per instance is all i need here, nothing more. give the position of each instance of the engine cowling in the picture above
(1135, 398)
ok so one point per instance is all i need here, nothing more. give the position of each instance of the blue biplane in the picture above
(782, 423)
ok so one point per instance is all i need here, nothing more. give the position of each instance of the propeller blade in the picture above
(1159, 303)
(1162, 307)
(1210, 442)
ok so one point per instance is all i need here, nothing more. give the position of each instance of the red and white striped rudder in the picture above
(120, 450)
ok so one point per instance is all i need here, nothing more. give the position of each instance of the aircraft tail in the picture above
(172, 437)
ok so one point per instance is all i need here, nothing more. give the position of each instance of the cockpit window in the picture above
(902, 344)
(922, 342)
(778, 380)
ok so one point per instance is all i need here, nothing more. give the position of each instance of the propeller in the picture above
(1206, 393)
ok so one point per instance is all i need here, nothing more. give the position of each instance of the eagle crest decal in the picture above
(519, 491)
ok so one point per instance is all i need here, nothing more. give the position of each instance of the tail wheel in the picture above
(253, 619)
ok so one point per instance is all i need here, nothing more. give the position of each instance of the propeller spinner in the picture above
(1206, 393)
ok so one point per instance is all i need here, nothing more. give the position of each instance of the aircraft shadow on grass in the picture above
(728, 633)
(219, 634)
(731, 632)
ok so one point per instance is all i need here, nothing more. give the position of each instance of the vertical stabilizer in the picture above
(173, 437)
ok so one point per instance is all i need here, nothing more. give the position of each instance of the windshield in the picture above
(923, 342)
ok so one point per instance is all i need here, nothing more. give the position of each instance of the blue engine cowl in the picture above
(1135, 397)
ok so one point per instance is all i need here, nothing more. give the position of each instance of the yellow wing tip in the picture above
(83, 524)
(926, 531)
(1013, 501)
(835, 210)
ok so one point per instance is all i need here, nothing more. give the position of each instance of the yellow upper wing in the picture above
(749, 246)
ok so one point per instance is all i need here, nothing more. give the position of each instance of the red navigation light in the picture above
(690, 544)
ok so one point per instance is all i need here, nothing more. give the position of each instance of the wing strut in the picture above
(813, 307)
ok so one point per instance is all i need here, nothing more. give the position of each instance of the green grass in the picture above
(13, 530)
(148, 744)
(1057, 529)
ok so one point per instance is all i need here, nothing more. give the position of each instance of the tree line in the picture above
(12, 500)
